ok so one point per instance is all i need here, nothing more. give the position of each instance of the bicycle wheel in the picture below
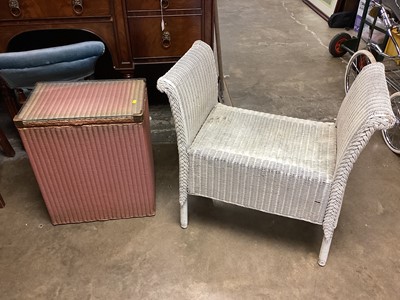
(358, 61)
(392, 136)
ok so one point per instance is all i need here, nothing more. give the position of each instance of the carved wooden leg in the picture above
(8, 99)
(5, 145)
(2, 203)
(21, 98)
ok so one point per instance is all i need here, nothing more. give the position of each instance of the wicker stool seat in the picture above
(293, 161)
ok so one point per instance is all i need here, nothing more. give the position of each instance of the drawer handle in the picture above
(14, 8)
(166, 39)
(77, 6)
(164, 4)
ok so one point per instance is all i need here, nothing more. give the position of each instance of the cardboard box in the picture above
(360, 10)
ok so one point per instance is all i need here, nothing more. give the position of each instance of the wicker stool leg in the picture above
(184, 215)
(183, 189)
(323, 254)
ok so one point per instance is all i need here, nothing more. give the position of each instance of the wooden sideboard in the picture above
(130, 29)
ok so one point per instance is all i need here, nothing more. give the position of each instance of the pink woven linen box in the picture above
(89, 146)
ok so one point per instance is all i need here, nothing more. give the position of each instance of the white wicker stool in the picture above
(276, 164)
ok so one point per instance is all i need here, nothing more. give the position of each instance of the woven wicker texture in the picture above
(192, 89)
(85, 100)
(277, 164)
(92, 171)
(365, 109)
(192, 85)
(288, 170)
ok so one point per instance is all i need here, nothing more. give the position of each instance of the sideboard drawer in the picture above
(148, 38)
(22, 9)
(167, 4)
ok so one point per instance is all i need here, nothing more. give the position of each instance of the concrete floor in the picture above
(276, 60)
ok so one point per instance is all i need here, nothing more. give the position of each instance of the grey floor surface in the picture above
(275, 60)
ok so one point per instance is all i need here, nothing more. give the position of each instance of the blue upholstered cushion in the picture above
(63, 63)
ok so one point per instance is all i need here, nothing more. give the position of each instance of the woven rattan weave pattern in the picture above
(276, 164)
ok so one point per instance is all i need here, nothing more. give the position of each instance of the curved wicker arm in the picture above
(365, 110)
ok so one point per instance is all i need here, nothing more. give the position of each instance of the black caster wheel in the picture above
(335, 45)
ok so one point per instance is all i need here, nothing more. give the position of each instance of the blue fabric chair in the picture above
(63, 63)
(21, 70)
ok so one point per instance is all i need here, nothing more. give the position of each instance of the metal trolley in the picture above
(387, 14)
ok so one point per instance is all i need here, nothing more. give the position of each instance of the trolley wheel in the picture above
(392, 136)
(358, 61)
(335, 45)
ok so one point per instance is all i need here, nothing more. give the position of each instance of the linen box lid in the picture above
(84, 102)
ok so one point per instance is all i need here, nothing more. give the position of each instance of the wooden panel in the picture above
(104, 30)
(155, 4)
(130, 28)
(147, 36)
(55, 9)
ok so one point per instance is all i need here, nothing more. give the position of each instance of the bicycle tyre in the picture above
(357, 61)
(392, 136)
